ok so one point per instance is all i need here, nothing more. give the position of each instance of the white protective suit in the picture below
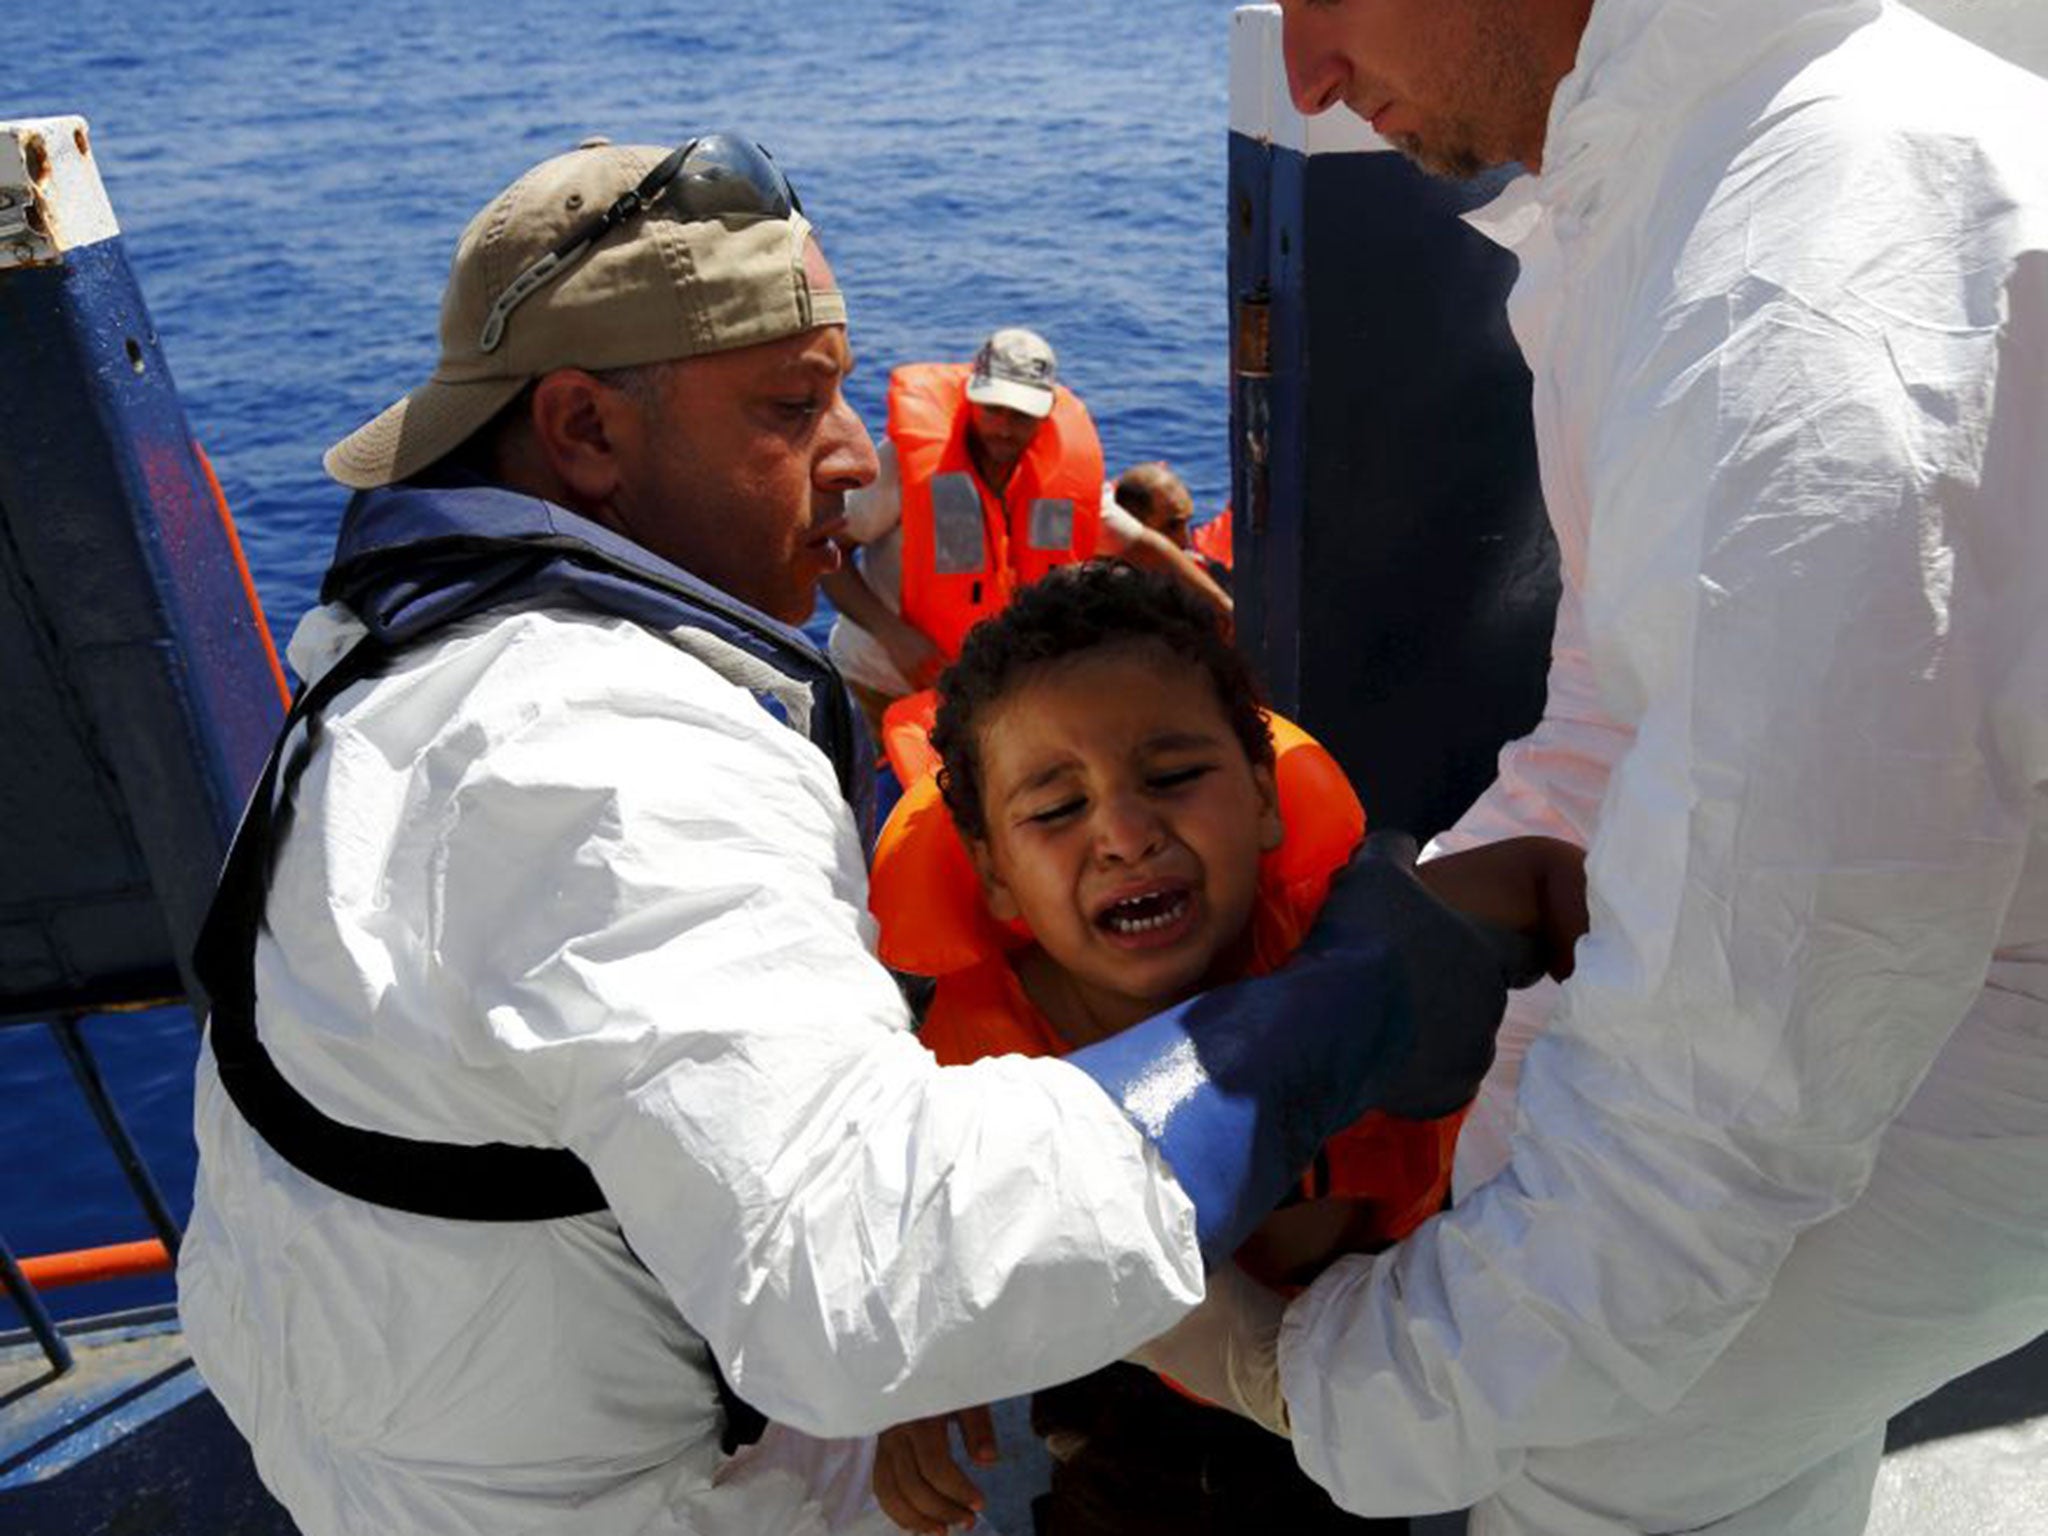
(1779, 1162)
(552, 881)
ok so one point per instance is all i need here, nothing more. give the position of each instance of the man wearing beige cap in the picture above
(991, 476)
(550, 1082)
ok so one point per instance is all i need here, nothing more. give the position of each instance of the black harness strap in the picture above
(490, 1182)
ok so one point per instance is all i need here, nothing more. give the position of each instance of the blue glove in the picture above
(1377, 900)
(1391, 1003)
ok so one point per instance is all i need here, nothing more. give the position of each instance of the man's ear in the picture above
(1001, 904)
(579, 428)
(1271, 828)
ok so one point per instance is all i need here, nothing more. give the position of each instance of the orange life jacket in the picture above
(934, 922)
(1212, 539)
(965, 549)
(907, 735)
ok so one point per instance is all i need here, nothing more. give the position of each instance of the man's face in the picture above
(740, 472)
(1456, 85)
(1003, 435)
(1172, 514)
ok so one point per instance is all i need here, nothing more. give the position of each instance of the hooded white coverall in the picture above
(1779, 1161)
(488, 941)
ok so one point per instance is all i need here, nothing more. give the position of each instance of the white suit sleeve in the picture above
(1549, 782)
(662, 925)
(1815, 592)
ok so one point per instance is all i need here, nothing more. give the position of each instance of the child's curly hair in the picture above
(1075, 611)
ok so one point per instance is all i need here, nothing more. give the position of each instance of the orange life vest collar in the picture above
(1212, 540)
(966, 549)
(934, 919)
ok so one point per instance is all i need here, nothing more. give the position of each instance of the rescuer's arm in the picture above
(665, 942)
(1801, 872)
(1154, 551)
(1550, 782)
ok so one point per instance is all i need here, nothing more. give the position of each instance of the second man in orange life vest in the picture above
(991, 476)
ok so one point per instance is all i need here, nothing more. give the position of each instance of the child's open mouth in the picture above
(1148, 917)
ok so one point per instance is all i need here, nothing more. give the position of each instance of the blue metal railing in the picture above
(69, 1035)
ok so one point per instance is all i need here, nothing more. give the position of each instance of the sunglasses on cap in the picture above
(713, 176)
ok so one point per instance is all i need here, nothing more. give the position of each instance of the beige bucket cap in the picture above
(657, 287)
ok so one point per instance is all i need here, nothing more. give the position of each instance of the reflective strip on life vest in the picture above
(1052, 523)
(959, 543)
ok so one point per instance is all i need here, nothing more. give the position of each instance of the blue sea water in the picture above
(290, 178)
